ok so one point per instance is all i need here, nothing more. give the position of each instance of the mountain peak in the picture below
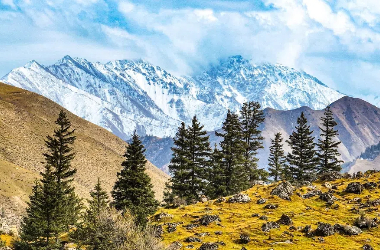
(32, 64)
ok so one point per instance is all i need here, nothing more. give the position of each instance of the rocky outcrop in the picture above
(239, 198)
(284, 190)
(208, 219)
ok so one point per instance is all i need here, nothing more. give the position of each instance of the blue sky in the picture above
(338, 41)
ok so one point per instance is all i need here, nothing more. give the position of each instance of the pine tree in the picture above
(178, 167)
(277, 159)
(89, 233)
(198, 163)
(233, 156)
(59, 157)
(302, 159)
(216, 175)
(327, 147)
(133, 189)
(251, 117)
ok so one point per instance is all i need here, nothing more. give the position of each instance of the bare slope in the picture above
(25, 120)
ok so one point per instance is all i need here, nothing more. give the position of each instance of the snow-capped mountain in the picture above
(125, 95)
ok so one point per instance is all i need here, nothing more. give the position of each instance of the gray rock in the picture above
(285, 220)
(271, 206)
(193, 239)
(324, 229)
(244, 239)
(306, 230)
(284, 190)
(191, 226)
(367, 247)
(312, 193)
(328, 197)
(365, 222)
(347, 230)
(370, 185)
(261, 201)
(266, 227)
(218, 232)
(161, 216)
(239, 198)
(208, 219)
(263, 217)
(330, 176)
(354, 187)
(220, 200)
(209, 246)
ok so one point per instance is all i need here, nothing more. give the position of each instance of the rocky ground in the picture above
(330, 214)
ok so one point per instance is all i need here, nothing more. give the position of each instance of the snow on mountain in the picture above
(125, 95)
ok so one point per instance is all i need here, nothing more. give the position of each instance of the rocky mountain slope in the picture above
(358, 125)
(124, 95)
(337, 214)
(25, 120)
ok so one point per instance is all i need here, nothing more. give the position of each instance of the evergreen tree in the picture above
(59, 157)
(302, 159)
(233, 150)
(198, 163)
(216, 176)
(53, 204)
(327, 147)
(277, 159)
(251, 117)
(133, 189)
(88, 233)
(178, 167)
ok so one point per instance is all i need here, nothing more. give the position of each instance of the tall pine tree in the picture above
(302, 159)
(133, 189)
(251, 116)
(53, 204)
(178, 167)
(233, 150)
(216, 175)
(277, 159)
(199, 159)
(327, 147)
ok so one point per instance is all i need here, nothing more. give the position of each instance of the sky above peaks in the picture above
(337, 41)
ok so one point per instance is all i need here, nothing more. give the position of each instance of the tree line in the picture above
(198, 170)
(55, 209)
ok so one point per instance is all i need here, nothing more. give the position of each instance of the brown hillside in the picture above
(25, 120)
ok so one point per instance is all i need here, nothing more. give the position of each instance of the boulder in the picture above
(347, 230)
(330, 176)
(271, 206)
(191, 226)
(370, 185)
(209, 246)
(239, 198)
(261, 201)
(367, 247)
(285, 220)
(208, 219)
(328, 197)
(266, 227)
(365, 222)
(312, 193)
(244, 239)
(284, 190)
(324, 229)
(354, 187)
(306, 230)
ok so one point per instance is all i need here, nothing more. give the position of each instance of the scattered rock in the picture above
(202, 234)
(193, 239)
(161, 216)
(324, 229)
(312, 193)
(321, 239)
(243, 248)
(174, 246)
(244, 239)
(172, 228)
(221, 243)
(306, 230)
(271, 206)
(263, 217)
(354, 187)
(330, 176)
(208, 219)
(218, 232)
(209, 246)
(370, 185)
(284, 190)
(347, 230)
(190, 246)
(328, 197)
(239, 198)
(367, 247)
(266, 227)
(285, 220)
(220, 200)
(292, 228)
(255, 215)
(191, 226)
(261, 201)
(364, 222)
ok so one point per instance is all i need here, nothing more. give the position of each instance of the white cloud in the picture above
(10, 3)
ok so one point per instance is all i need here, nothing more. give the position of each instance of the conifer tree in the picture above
(251, 117)
(216, 177)
(302, 159)
(178, 167)
(89, 233)
(277, 159)
(133, 189)
(198, 163)
(59, 157)
(327, 147)
(233, 156)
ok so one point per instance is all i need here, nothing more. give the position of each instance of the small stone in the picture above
(271, 206)
(261, 201)
(306, 230)
(263, 217)
(244, 239)
(367, 247)
(193, 239)
(220, 200)
(208, 219)
(269, 225)
(239, 198)
(191, 226)
(209, 246)
(285, 220)
(324, 229)
(255, 215)
(218, 232)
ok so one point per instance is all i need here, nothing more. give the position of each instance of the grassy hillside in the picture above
(25, 120)
(245, 218)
